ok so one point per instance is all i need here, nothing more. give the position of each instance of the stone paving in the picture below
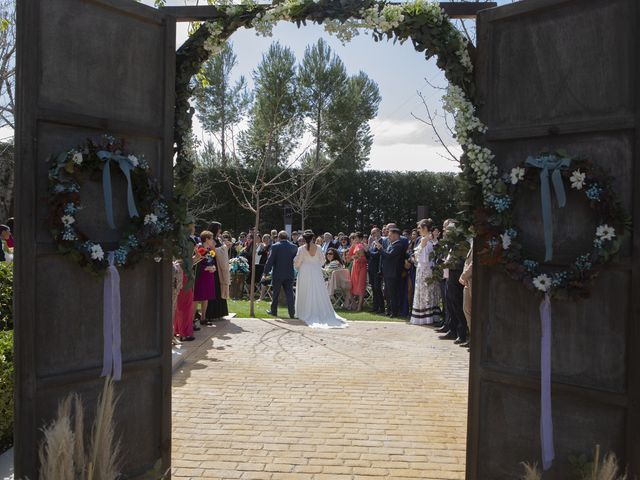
(269, 399)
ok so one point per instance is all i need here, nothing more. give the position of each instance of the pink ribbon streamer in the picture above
(112, 355)
(546, 421)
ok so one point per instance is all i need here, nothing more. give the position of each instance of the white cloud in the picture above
(412, 157)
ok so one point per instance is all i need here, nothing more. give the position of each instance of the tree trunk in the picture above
(302, 216)
(252, 283)
(318, 120)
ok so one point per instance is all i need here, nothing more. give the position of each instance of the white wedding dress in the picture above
(313, 305)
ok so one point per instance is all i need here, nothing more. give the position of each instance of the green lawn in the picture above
(241, 309)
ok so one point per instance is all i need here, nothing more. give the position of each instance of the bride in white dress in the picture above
(313, 305)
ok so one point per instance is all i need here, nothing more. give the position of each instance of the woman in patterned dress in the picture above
(426, 299)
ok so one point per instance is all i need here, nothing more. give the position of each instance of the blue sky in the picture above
(401, 142)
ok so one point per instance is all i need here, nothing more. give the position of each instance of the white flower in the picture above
(77, 158)
(542, 282)
(605, 232)
(97, 253)
(67, 220)
(517, 174)
(150, 219)
(506, 241)
(134, 160)
(577, 179)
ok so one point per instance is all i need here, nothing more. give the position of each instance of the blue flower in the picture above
(597, 243)
(59, 188)
(132, 242)
(594, 191)
(512, 232)
(583, 262)
(530, 265)
(501, 203)
(120, 256)
(558, 279)
(69, 234)
(70, 209)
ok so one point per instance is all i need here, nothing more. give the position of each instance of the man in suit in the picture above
(375, 272)
(392, 264)
(329, 242)
(281, 261)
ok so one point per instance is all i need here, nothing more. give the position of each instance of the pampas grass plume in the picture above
(531, 472)
(62, 451)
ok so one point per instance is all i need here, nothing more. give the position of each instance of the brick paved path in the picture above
(268, 399)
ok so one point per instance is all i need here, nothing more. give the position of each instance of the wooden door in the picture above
(85, 68)
(559, 74)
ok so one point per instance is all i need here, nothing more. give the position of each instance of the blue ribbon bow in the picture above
(553, 165)
(126, 166)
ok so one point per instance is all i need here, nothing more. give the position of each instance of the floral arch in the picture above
(424, 23)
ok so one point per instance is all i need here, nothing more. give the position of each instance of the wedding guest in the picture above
(375, 273)
(10, 224)
(274, 236)
(408, 281)
(193, 238)
(319, 242)
(457, 325)
(263, 254)
(294, 237)
(183, 324)
(301, 241)
(426, 300)
(392, 264)
(204, 289)
(358, 258)
(217, 307)
(227, 239)
(465, 280)
(343, 246)
(332, 261)
(328, 242)
(6, 255)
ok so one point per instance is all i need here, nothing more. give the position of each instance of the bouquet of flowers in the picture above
(239, 265)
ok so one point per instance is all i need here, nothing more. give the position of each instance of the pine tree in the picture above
(274, 121)
(220, 103)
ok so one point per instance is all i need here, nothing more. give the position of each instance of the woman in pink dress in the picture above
(205, 288)
(358, 269)
(184, 311)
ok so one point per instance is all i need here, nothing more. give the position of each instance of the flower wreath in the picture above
(498, 234)
(148, 234)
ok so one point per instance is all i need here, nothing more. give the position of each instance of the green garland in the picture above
(148, 235)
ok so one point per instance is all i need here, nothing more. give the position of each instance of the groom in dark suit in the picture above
(392, 264)
(281, 261)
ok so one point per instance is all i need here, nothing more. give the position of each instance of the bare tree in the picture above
(260, 186)
(7, 62)
(309, 192)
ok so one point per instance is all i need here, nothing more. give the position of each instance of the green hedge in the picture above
(6, 296)
(6, 356)
(6, 389)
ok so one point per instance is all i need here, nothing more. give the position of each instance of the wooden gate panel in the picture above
(588, 352)
(86, 68)
(541, 54)
(558, 74)
(127, 84)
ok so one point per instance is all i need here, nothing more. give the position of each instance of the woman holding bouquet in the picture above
(204, 290)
